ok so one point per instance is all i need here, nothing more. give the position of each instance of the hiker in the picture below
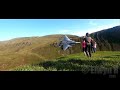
(88, 44)
(84, 46)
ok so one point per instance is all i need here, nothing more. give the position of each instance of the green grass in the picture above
(100, 61)
(40, 54)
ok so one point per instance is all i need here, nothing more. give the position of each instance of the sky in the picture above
(15, 28)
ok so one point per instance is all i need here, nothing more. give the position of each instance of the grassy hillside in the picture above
(102, 62)
(29, 50)
(108, 39)
(32, 50)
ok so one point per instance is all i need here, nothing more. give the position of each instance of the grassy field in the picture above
(41, 54)
(101, 62)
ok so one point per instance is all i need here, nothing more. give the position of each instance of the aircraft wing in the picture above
(77, 42)
(65, 46)
(66, 38)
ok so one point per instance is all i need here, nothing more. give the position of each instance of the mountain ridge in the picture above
(30, 50)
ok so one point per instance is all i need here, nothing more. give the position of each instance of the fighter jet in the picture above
(66, 43)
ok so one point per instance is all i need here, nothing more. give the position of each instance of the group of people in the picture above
(88, 45)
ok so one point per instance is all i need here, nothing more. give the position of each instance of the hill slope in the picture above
(30, 50)
(21, 51)
(108, 39)
(101, 62)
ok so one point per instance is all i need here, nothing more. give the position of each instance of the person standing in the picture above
(95, 45)
(88, 45)
(84, 46)
(92, 46)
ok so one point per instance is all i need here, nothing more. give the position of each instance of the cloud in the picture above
(63, 31)
(91, 22)
(82, 32)
(96, 27)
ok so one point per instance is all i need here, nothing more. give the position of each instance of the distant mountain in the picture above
(108, 39)
(30, 50)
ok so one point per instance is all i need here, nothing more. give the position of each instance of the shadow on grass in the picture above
(109, 57)
(112, 56)
(74, 65)
(61, 58)
(117, 55)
